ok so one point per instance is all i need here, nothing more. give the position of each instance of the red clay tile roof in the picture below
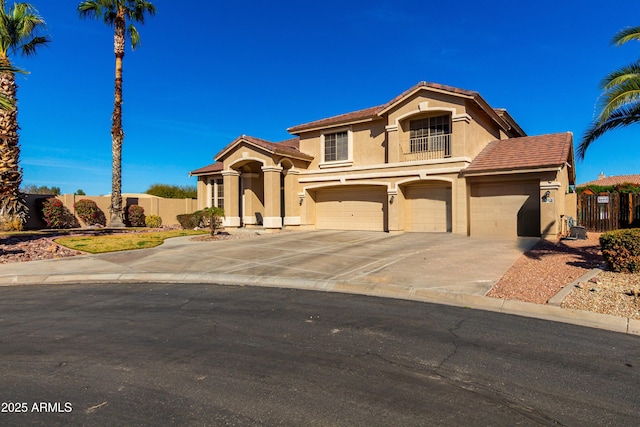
(215, 167)
(614, 180)
(289, 147)
(367, 113)
(374, 112)
(529, 152)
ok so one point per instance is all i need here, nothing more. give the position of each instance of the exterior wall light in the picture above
(391, 199)
(301, 200)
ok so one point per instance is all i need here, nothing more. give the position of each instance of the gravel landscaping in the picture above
(535, 277)
(548, 267)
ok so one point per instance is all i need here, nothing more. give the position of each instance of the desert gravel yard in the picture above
(535, 277)
(548, 267)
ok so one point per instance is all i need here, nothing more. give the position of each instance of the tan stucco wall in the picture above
(551, 211)
(201, 188)
(376, 160)
(368, 144)
(167, 209)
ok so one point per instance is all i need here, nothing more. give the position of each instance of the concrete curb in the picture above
(557, 299)
(551, 312)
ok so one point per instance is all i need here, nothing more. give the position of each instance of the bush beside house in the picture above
(621, 250)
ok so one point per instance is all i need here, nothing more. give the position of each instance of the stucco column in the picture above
(272, 215)
(209, 193)
(250, 202)
(549, 213)
(394, 152)
(202, 192)
(393, 211)
(231, 184)
(291, 199)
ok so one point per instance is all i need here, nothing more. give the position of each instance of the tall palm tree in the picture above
(620, 99)
(21, 31)
(116, 14)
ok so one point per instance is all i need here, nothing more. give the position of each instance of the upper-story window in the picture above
(430, 134)
(336, 147)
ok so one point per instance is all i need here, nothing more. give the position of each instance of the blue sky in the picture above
(207, 74)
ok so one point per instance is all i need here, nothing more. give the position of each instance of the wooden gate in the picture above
(609, 211)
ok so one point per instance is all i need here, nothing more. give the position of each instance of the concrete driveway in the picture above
(347, 261)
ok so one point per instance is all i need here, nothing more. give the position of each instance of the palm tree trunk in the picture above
(13, 210)
(117, 134)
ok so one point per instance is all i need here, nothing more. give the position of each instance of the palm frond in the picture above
(139, 10)
(30, 48)
(631, 71)
(625, 93)
(21, 29)
(621, 117)
(134, 36)
(626, 35)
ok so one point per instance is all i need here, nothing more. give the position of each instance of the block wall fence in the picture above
(167, 209)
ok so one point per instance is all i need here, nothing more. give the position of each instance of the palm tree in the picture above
(621, 97)
(21, 30)
(116, 14)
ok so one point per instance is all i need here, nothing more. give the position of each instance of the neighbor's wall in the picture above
(167, 209)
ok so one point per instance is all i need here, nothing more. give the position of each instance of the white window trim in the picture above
(337, 163)
(212, 191)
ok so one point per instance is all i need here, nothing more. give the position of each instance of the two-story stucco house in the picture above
(433, 159)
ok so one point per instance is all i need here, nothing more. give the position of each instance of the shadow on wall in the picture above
(34, 202)
(529, 218)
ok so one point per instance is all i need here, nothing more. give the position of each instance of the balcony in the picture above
(427, 148)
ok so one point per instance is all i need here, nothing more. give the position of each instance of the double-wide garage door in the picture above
(351, 208)
(505, 209)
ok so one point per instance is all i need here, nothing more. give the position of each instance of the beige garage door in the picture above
(428, 208)
(505, 210)
(350, 208)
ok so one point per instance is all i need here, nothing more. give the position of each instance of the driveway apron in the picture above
(438, 261)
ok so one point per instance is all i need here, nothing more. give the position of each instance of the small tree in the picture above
(173, 191)
(43, 189)
(214, 215)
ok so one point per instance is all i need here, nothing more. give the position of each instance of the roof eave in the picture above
(531, 169)
(415, 89)
(297, 130)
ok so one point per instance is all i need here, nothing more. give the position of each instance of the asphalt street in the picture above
(152, 354)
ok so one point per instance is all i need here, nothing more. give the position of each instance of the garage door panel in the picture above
(350, 209)
(505, 209)
(428, 209)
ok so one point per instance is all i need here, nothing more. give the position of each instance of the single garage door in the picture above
(428, 208)
(350, 208)
(505, 209)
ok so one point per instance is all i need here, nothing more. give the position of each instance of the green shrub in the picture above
(191, 221)
(153, 221)
(621, 250)
(135, 216)
(213, 216)
(89, 212)
(56, 215)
